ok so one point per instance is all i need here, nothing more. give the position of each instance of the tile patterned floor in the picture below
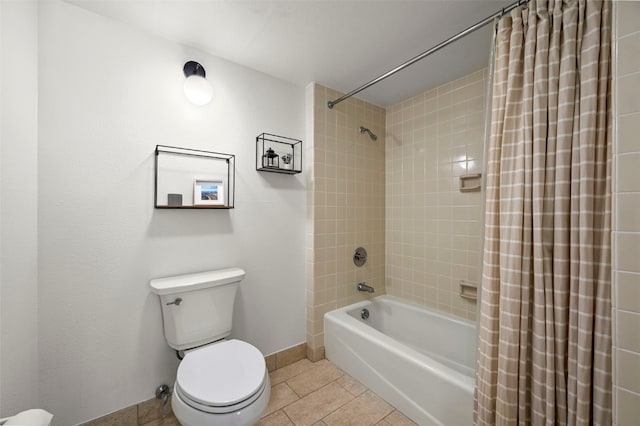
(320, 394)
(302, 393)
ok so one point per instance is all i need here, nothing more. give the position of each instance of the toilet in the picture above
(219, 381)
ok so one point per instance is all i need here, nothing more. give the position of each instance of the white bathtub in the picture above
(420, 361)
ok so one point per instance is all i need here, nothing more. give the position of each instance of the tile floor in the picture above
(302, 393)
(320, 394)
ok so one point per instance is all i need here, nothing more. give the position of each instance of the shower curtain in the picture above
(544, 346)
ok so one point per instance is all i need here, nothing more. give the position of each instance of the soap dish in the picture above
(470, 183)
(468, 290)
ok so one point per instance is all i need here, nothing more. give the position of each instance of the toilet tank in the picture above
(197, 308)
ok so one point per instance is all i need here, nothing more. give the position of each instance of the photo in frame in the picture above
(208, 192)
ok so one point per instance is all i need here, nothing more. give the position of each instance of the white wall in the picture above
(18, 206)
(109, 94)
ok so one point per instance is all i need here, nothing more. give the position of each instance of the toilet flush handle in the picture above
(176, 302)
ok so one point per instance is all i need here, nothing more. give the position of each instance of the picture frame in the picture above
(208, 192)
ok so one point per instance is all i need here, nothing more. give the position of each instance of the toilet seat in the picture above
(239, 366)
(212, 409)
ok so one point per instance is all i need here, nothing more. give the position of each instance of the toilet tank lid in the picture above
(190, 282)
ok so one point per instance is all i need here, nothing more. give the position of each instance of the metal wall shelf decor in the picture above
(193, 179)
(278, 154)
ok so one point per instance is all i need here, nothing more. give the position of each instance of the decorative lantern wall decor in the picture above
(278, 154)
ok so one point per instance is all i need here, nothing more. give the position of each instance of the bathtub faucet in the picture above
(364, 287)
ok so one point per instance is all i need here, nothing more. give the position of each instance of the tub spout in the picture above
(364, 287)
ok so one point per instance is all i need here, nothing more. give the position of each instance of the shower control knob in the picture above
(360, 256)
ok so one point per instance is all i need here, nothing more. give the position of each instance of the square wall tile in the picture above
(628, 17)
(628, 212)
(628, 249)
(628, 331)
(627, 407)
(628, 131)
(629, 54)
(291, 355)
(628, 291)
(628, 366)
(628, 100)
(628, 166)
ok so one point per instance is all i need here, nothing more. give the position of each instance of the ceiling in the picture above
(339, 44)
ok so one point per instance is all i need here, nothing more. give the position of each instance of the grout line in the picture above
(294, 392)
(320, 386)
(627, 390)
(313, 365)
(392, 411)
(298, 395)
(286, 415)
(352, 399)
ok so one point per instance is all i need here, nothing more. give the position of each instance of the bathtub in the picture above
(419, 361)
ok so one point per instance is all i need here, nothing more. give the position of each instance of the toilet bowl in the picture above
(223, 383)
(219, 382)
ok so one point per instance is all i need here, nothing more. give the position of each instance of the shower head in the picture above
(371, 135)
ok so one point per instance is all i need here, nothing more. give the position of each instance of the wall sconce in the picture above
(196, 87)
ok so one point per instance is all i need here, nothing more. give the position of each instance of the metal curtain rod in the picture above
(426, 53)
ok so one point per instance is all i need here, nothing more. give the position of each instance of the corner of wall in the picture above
(18, 211)
(346, 206)
(309, 235)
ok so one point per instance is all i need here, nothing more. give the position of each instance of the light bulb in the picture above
(198, 90)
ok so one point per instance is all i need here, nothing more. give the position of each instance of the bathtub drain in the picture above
(364, 314)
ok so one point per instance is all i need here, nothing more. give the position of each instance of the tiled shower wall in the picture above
(433, 230)
(345, 205)
(626, 235)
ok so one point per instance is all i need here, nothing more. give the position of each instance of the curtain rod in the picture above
(426, 53)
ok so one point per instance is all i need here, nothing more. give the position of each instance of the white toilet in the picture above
(219, 381)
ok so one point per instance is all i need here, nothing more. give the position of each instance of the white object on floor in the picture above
(34, 417)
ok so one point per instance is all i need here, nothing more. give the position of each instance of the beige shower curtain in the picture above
(544, 354)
